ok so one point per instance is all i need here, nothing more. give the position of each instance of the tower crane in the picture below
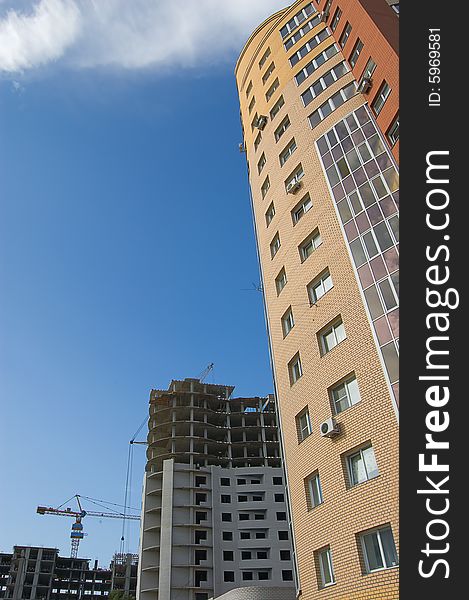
(77, 532)
(206, 371)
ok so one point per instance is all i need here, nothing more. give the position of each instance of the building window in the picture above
(368, 70)
(277, 480)
(226, 516)
(264, 58)
(245, 535)
(287, 322)
(262, 555)
(263, 575)
(261, 163)
(313, 490)
(242, 498)
(268, 73)
(270, 92)
(276, 107)
(284, 125)
(303, 424)
(281, 281)
(228, 555)
(200, 516)
(355, 52)
(270, 214)
(297, 20)
(309, 245)
(225, 481)
(259, 516)
(294, 369)
(324, 82)
(248, 89)
(251, 104)
(202, 596)
(244, 516)
(227, 536)
(287, 575)
(240, 482)
(246, 555)
(279, 497)
(379, 550)
(257, 141)
(265, 187)
(228, 576)
(361, 465)
(319, 286)
(345, 394)
(301, 208)
(247, 576)
(199, 498)
(331, 336)
(345, 34)
(199, 577)
(261, 535)
(315, 63)
(200, 536)
(308, 47)
(393, 131)
(336, 19)
(199, 556)
(326, 570)
(302, 32)
(225, 499)
(275, 245)
(285, 555)
(283, 535)
(380, 98)
(285, 155)
(281, 516)
(199, 481)
(332, 104)
(297, 174)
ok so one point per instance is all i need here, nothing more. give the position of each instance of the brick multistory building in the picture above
(318, 88)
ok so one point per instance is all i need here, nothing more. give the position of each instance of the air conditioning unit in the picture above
(325, 14)
(293, 187)
(364, 85)
(261, 122)
(242, 147)
(329, 428)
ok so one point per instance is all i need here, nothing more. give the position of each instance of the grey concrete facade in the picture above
(214, 502)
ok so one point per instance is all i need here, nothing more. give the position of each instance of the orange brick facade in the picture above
(347, 511)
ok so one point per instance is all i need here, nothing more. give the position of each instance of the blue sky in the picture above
(126, 242)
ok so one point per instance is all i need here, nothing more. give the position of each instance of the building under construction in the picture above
(35, 573)
(215, 521)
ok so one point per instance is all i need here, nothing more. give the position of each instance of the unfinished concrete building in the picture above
(35, 573)
(215, 517)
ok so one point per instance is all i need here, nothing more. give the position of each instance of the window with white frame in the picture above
(332, 104)
(345, 394)
(319, 286)
(336, 19)
(297, 174)
(297, 20)
(368, 70)
(301, 208)
(264, 58)
(270, 214)
(281, 281)
(270, 92)
(380, 98)
(309, 46)
(345, 34)
(309, 245)
(379, 549)
(356, 52)
(393, 131)
(303, 425)
(287, 152)
(361, 465)
(276, 107)
(268, 73)
(326, 571)
(287, 322)
(315, 63)
(261, 163)
(314, 490)
(265, 187)
(275, 245)
(324, 82)
(331, 335)
(284, 125)
(302, 32)
(294, 369)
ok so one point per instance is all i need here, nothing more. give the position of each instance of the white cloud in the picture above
(129, 34)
